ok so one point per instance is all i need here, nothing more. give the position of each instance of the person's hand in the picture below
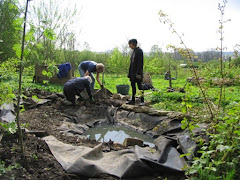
(102, 87)
(138, 76)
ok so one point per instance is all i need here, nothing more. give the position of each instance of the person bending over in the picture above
(136, 70)
(75, 86)
(87, 68)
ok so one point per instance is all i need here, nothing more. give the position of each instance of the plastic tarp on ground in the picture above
(7, 113)
(126, 163)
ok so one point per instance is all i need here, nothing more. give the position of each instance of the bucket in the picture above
(123, 89)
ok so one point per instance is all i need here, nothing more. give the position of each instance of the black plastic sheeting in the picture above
(126, 163)
(136, 161)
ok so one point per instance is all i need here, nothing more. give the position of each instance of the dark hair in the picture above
(132, 41)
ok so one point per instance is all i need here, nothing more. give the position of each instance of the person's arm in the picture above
(98, 79)
(87, 73)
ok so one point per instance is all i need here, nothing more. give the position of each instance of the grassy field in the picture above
(164, 100)
(160, 99)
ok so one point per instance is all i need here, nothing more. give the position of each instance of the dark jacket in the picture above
(75, 86)
(136, 65)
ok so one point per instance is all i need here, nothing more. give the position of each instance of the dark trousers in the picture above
(133, 84)
(70, 93)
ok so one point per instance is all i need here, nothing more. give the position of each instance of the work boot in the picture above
(142, 100)
(131, 102)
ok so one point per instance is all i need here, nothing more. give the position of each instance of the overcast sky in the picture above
(106, 24)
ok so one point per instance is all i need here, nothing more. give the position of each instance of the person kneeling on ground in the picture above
(75, 86)
(87, 68)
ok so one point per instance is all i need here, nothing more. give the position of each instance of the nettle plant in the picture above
(218, 158)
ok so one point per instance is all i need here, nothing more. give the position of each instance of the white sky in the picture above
(106, 24)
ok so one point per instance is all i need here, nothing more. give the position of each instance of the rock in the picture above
(120, 96)
(158, 112)
(145, 109)
(176, 115)
(132, 142)
(116, 96)
(136, 108)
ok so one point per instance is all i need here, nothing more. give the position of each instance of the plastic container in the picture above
(123, 89)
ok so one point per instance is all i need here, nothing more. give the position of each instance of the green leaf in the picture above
(49, 34)
(192, 171)
(29, 36)
(35, 97)
(18, 49)
(11, 6)
(44, 72)
(183, 155)
(18, 24)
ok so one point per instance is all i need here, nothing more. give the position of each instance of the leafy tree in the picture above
(155, 51)
(154, 62)
(10, 28)
(52, 26)
(118, 62)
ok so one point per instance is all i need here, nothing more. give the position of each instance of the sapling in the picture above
(221, 8)
(20, 83)
(187, 53)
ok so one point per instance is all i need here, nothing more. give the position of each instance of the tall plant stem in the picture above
(189, 55)
(20, 136)
(196, 75)
(221, 8)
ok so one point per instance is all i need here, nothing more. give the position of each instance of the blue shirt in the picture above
(89, 66)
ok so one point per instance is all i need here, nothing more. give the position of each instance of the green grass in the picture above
(160, 99)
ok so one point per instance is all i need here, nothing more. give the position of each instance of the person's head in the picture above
(100, 67)
(89, 79)
(132, 43)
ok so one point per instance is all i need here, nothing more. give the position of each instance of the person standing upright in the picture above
(136, 71)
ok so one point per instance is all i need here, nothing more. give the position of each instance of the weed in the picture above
(10, 128)
(4, 169)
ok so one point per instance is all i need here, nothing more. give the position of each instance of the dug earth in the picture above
(47, 117)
